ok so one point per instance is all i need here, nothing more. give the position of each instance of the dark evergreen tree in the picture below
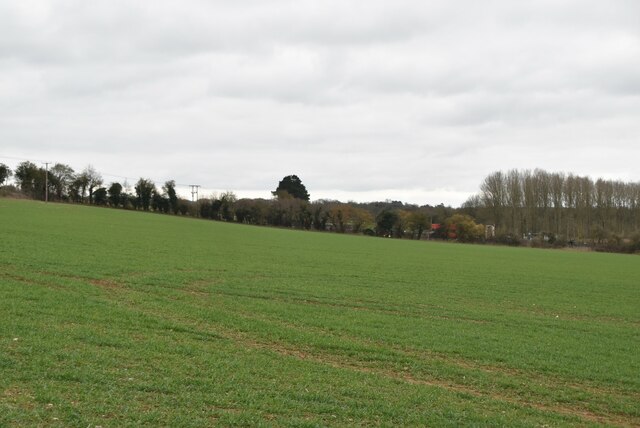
(385, 222)
(144, 192)
(159, 202)
(5, 173)
(30, 179)
(115, 194)
(170, 189)
(100, 196)
(291, 187)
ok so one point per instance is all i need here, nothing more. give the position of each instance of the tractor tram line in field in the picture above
(133, 320)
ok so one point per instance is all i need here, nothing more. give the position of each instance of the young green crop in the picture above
(118, 318)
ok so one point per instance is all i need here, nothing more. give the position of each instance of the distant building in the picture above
(438, 231)
(489, 231)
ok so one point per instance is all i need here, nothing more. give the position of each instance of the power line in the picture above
(111, 175)
(22, 159)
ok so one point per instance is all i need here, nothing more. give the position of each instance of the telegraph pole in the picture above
(194, 192)
(46, 182)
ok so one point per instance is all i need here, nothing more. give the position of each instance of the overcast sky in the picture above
(363, 100)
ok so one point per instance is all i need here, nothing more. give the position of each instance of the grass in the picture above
(117, 318)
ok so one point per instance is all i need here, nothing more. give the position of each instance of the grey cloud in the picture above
(353, 96)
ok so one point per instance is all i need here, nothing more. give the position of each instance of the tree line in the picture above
(61, 183)
(514, 207)
(563, 207)
(290, 206)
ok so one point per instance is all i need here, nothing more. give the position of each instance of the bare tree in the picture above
(93, 180)
(557, 186)
(493, 195)
(572, 207)
(513, 200)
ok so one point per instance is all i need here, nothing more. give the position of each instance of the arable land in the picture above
(116, 318)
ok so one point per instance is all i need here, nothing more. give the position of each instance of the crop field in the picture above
(115, 318)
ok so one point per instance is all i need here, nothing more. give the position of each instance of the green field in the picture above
(112, 318)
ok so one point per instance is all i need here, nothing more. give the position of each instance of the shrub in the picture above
(508, 239)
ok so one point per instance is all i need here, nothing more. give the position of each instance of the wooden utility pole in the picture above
(194, 194)
(46, 182)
